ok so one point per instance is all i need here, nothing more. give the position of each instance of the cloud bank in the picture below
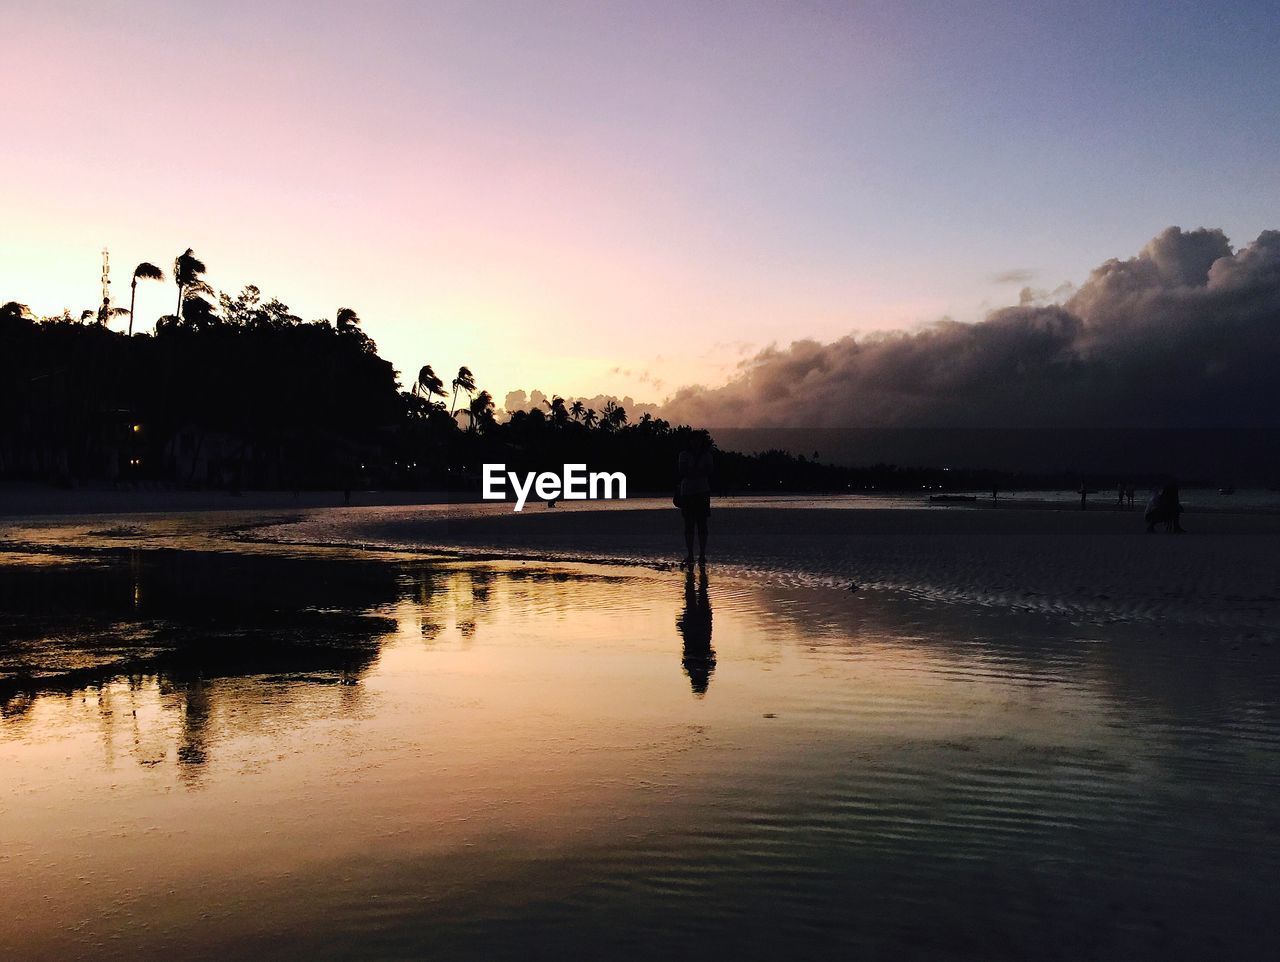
(1185, 334)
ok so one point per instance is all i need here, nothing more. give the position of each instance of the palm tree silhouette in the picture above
(346, 320)
(480, 411)
(187, 271)
(104, 313)
(590, 418)
(428, 384)
(144, 271)
(556, 406)
(12, 314)
(576, 410)
(466, 381)
(615, 415)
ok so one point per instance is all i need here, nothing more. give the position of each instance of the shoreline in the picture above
(1092, 567)
(37, 501)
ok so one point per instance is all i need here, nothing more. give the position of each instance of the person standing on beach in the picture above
(693, 492)
(1165, 507)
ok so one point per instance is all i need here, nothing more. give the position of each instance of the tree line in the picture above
(239, 391)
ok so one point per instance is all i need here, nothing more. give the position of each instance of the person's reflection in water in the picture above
(193, 735)
(694, 625)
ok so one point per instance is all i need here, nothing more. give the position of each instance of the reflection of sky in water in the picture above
(206, 753)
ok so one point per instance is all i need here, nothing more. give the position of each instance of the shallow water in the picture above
(245, 756)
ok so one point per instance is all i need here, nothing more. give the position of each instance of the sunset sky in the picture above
(623, 197)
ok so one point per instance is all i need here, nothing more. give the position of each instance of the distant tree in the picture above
(146, 272)
(559, 414)
(590, 418)
(465, 381)
(248, 310)
(480, 412)
(188, 274)
(615, 416)
(347, 323)
(13, 316)
(428, 384)
(576, 410)
(198, 314)
(103, 314)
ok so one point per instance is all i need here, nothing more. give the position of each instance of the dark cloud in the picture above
(1019, 275)
(1187, 333)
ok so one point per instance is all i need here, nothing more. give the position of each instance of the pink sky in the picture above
(548, 192)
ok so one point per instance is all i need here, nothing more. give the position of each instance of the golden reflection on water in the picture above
(395, 753)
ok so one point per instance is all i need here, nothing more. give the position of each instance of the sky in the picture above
(624, 198)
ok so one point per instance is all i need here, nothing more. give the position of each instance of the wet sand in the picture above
(1097, 566)
(363, 734)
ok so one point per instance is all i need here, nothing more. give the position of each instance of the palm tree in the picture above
(480, 411)
(577, 409)
(615, 416)
(187, 269)
(347, 320)
(103, 314)
(556, 406)
(428, 384)
(466, 381)
(13, 315)
(147, 272)
(589, 417)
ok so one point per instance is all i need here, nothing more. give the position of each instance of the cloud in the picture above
(1187, 333)
(1019, 275)
(522, 401)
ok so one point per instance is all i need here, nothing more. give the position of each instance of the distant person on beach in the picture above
(1165, 507)
(1084, 496)
(693, 492)
(1120, 495)
(1129, 492)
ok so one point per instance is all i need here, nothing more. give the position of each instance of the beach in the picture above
(392, 731)
(1096, 566)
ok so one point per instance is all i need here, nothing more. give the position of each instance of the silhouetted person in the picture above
(694, 625)
(1120, 495)
(1084, 496)
(694, 492)
(1165, 507)
(995, 493)
(1129, 493)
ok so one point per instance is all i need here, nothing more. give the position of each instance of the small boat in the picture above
(951, 498)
